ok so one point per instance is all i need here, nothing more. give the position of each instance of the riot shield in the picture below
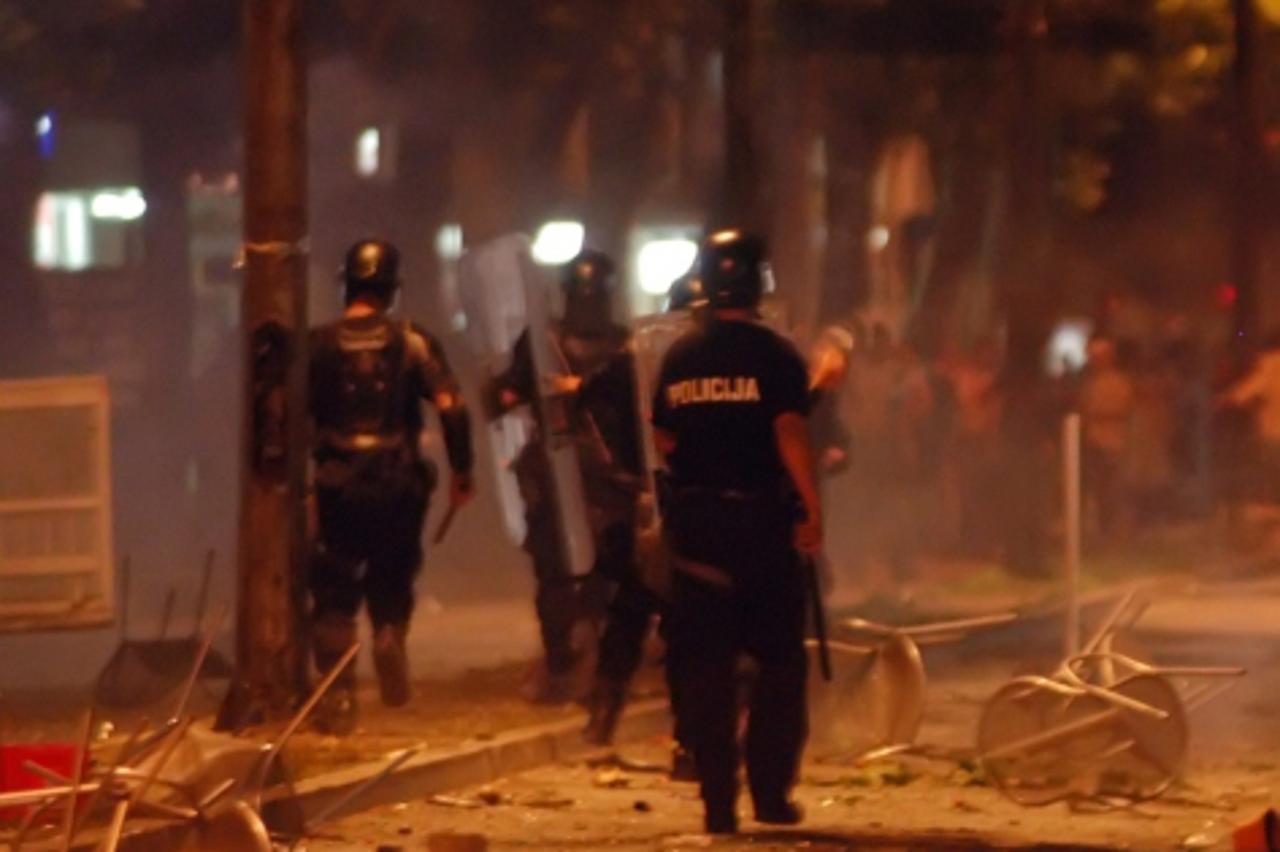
(576, 542)
(502, 294)
(494, 304)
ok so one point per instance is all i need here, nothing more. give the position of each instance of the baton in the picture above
(445, 523)
(819, 617)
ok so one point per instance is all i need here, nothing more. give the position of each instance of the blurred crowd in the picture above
(959, 455)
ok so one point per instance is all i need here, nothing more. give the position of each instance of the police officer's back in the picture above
(369, 375)
(729, 415)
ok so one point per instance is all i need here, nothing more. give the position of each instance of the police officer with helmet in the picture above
(599, 386)
(729, 415)
(369, 374)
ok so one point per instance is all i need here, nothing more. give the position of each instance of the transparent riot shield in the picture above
(494, 303)
(503, 293)
(576, 541)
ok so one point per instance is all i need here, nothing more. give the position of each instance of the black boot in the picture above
(331, 636)
(391, 661)
(779, 811)
(720, 819)
(607, 700)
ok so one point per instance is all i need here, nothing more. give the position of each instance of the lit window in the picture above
(558, 242)
(369, 152)
(124, 205)
(84, 229)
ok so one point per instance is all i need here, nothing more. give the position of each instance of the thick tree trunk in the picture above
(851, 143)
(742, 201)
(799, 216)
(270, 660)
(949, 311)
(1026, 289)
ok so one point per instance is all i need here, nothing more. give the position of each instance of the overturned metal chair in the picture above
(1103, 728)
(212, 805)
(875, 703)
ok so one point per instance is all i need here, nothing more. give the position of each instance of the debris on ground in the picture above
(611, 778)
(613, 760)
(547, 800)
(446, 801)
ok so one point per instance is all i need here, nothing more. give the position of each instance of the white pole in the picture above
(1071, 528)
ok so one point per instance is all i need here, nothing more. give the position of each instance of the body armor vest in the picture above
(363, 398)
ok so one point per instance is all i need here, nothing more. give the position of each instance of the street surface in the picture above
(470, 659)
(905, 803)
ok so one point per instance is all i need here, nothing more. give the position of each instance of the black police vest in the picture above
(363, 398)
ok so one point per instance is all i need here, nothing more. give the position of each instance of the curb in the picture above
(440, 770)
(433, 771)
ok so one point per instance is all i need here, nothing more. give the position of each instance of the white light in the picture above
(449, 242)
(44, 125)
(878, 238)
(368, 152)
(1068, 347)
(75, 234)
(661, 262)
(558, 242)
(46, 232)
(125, 205)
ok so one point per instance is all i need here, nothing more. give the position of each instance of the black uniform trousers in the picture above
(369, 545)
(761, 614)
(630, 607)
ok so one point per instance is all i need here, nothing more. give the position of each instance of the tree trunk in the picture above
(271, 669)
(1251, 177)
(741, 203)
(1026, 289)
(852, 137)
(944, 317)
(799, 214)
(1027, 296)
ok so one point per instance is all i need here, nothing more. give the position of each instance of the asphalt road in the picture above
(1233, 773)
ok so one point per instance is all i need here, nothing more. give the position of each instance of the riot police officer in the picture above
(729, 414)
(605, 428)
(368, 376)
(637, 600)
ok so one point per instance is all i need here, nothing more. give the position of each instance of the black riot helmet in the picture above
(588, 291)
(733, 269)
(371, 267)
(686, 293)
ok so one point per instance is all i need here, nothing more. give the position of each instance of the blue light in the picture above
(44, 133)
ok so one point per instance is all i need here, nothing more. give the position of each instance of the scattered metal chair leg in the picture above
(258, 780)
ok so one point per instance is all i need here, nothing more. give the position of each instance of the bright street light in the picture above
(558, 242)
(660, 262)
